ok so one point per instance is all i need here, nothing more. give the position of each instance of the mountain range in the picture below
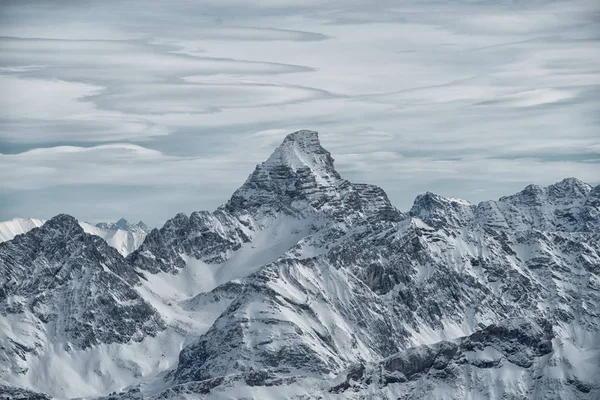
(304, 285)
(122, 235)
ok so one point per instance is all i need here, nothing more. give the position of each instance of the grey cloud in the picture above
(118, 164)
(244, 33)
(201, 98)
(36, 110)
(120, 61)
(114, 72)
(472, 100)
(35, 131)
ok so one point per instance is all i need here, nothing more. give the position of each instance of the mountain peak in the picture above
(303, 135)
(143, 226)
(64, 223)
(428, 198)
(568, 188)
(122, 223)
(299, 169)
(300, 150)
(434, 208)
(125, 225)
(570, 185)
(303, 141)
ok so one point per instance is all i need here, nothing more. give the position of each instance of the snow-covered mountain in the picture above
(305, 285)
(18, 226)
(125, 225)
(122, 235)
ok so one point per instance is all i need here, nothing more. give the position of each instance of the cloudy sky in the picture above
(145, 109)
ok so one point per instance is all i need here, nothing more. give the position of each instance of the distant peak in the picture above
(572, 183)
(63, 222)
(299, 177)
(143, 226)
(124, 225)
(568, 188)
(433, 197)
(434, 208)
(429, 199)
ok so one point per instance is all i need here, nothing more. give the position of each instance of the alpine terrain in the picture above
(122, 235)
(307, 286)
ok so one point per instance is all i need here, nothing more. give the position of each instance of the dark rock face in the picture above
(13, 393)
(203, 236)
(75, 284)
(419, 370)
(450, 295)
(299, 170)
(565, 206)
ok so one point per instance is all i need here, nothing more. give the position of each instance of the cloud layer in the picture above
(471, 100)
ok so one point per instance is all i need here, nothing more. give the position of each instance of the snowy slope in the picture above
(124, 241)
(306, 285)
(18, 226)
(64, 292)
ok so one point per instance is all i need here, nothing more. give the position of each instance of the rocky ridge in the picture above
(310, 279)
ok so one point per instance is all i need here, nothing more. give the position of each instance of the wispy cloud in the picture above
(468, 99)
(118, 164)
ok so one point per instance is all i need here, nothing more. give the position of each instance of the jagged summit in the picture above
(534, 195)
(143, 226)
(299, 169)
(302, 149)
(300, 177)
(122, 223)
(436, 209)
(569, 205)
(125, 225)
(303, 135)
(64, 223)
(568, 187)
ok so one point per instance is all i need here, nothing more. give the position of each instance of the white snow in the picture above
(124, 241)
(268, 244)
(459, 201)
(18, 226)
(299, 152)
